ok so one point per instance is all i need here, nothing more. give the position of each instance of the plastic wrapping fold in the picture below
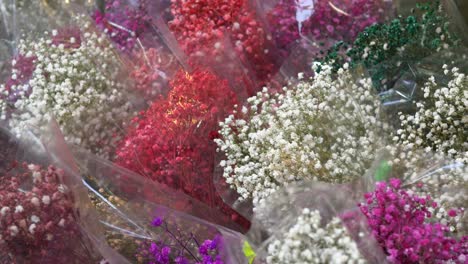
(86, 88)
(286, 214)
(303, 30)
(40, 205)
(129, 208)
(408, 87)
(132, 30)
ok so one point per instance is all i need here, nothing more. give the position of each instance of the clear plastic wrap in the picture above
(147, 222)
(85, 87)
(40, 206)
(132, 30)
(321, 223)
(303, 30)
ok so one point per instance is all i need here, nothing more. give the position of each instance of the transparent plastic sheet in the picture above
(407, 87)
(249, 139)
(87, 89)
(40, 205)
(275, 217)
(151, 63)
(313, 26)
(235, 44)
(408, 90)
(127, 205)
(425, 173)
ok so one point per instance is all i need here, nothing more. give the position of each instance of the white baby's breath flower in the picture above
(324, 128)
(308, 241)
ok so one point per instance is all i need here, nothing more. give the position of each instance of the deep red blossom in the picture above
(172, 141)
(208, 29)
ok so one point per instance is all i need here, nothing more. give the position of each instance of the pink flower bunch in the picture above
(37, 217)
(172, 141)
(206, 29)
(323, 20)
(403, 225)
(123, 23)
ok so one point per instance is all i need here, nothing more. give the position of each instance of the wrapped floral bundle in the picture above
(318, 24)
(308, 242)
(389, 50)
(439, 121)
(38, 213)
(326, 228)
(171, 142)
(218, 33)
(143, 220)
(408, 228)
(325, 128)
(131, 29)
(72, 74)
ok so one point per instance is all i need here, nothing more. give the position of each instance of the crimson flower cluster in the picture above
(172, 141)
(123, 23)
(202, 28)
(403, 225)
(37, 217)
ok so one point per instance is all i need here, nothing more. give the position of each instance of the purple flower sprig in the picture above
(404, 227)
(180, 247)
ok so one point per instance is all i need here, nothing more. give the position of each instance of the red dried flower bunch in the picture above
(172, 141)
(37, 218)
(206, 29)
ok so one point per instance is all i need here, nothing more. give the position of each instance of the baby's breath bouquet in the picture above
(311, 222)
(74, 74)
(325, 128)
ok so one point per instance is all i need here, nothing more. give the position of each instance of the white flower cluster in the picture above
(308, 242)
(78, 86)
(441, 121)
(325, 129)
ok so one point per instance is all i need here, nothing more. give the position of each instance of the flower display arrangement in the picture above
(439, 122)
(388, 50)
(72, 74)
(37, 217)
(308, 242)
(407, 228)
(325, 128)
(172, 141)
